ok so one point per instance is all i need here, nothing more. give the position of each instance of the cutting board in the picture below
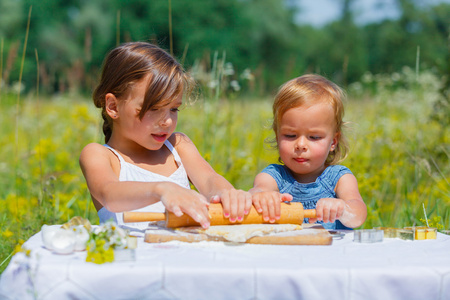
(310, 234)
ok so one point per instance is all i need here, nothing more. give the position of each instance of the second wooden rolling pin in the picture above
(291, 213)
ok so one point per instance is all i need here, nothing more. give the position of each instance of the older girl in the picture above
(145, 165)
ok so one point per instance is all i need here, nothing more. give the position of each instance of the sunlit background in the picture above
(391, 56)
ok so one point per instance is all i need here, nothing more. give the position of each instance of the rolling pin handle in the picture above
(131, 216)
(309, 213)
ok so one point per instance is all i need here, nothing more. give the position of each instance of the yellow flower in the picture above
(19, 248)
(7, 233)
(18, 205)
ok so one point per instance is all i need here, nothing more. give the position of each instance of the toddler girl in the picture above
(145, 165)
(308, 113)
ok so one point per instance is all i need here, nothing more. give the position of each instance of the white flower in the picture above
(228, 69)
(235, 85)
(247, 75)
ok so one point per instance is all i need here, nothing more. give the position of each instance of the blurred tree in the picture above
(73, 36)
(440, 16)
(345, 43)
(393, 44)
(253, 34)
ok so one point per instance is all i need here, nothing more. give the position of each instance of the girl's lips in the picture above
(160, 137)
(300, 160)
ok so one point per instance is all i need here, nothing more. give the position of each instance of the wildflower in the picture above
(7, 233)
(235, 85)
(247, 75)
(433, 223)
(228, 69)
(212, 84)
(19, 248)
(103, 241)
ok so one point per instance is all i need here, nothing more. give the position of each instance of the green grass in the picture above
(400, 157)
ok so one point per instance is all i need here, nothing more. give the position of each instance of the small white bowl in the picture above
(81, 237)
(47, 232)
(63, 241)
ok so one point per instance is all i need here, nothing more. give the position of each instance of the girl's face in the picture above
(306, 135)
(155, 127)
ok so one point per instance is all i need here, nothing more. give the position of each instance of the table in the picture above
(392, 269)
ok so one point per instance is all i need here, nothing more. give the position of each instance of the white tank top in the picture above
(131, 172)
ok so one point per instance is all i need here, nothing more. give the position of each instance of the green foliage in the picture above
(72, 37)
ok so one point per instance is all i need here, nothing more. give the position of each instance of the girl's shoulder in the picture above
(279, 172)
(274, 168)
(183, 144)
(179, 138)
(335, 172)
(94, 151)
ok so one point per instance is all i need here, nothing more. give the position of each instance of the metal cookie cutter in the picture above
(368, 236)
(336, 235)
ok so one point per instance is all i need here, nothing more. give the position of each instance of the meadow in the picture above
(399, 155)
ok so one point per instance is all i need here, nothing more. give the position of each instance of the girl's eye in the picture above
(315, 137)
(289, 136)
(175, 109)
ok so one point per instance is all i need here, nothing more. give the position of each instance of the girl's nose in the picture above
(300, 144)
(166, 120)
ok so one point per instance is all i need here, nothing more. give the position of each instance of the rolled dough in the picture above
(241, 233)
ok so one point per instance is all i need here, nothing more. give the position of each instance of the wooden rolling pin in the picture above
(291, 213)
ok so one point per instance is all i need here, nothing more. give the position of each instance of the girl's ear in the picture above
(335, 141)
(111, 104)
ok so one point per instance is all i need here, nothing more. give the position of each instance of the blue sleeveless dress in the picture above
(309, 193)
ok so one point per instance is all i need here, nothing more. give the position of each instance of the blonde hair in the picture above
(129, 63)
(308, 90)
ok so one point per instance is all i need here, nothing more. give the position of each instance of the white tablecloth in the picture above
(392, 269)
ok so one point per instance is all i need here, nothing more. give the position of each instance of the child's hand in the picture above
(180, 200)
(329, 210)
(269, 204)
(236, 204)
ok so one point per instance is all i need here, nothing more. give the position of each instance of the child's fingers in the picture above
(326, 215)
(204, 200)
(257, 203)
(176, 210)
(319, 211)
(283, 198)
(234, 207)
(215, 199)
(241, 199)
(277, 209)
(200, 215)
(286, 197)
(334, 211)
(337, 212)
(340, 212)
(312, 220)
(271, 209)
(201, 219)
(264, 210)
(248, 203)
(225, 205)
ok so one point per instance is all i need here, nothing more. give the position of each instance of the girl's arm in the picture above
(100, 167)
(348, 207)
(236, 203)
(266, 197)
